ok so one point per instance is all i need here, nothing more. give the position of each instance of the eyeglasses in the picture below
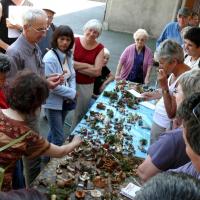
(39, 30)
(196, 112)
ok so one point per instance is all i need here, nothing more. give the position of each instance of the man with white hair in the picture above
(24, 52)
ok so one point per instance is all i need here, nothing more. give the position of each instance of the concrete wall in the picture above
(129, 15)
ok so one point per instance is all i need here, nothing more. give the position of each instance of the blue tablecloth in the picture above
(137, 131)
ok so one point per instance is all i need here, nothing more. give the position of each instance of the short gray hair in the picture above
(190, 82)
(93, 24)
(32, 15)
(169, 50)
(140, 32)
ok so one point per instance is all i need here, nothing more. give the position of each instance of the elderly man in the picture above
(173, 29)
(24, 52)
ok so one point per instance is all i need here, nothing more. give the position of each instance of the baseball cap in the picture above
(46, 5)
(50, 9)
(184, 12)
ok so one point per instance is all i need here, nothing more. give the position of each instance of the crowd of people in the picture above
(47, 66)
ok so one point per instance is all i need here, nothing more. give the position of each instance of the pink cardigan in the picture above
(127, 60)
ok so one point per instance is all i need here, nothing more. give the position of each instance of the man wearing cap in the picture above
(45, 42)
(173, 29)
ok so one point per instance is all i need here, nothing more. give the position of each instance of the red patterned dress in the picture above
(32, 146)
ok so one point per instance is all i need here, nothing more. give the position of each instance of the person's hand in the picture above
(62, 78)
(76, 140)
(117, 78)
(146, 81)
(54, 80)
(102, 87)
(151, 95)
(162, 79)
(176, 123)
(10, 25)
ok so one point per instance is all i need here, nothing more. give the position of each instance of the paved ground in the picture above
(76, 14)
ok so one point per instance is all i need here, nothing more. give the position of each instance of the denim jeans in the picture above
(56, 119)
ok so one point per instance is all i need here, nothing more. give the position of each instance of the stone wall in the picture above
(129, 15)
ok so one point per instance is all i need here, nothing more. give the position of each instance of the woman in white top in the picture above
(170, 57)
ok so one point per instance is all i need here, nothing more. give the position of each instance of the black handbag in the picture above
(69, 104)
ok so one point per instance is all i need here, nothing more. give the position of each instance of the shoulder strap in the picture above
(15, 141)
(58, 58)
(186, 55)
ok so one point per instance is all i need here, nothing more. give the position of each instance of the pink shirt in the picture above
(127, 60)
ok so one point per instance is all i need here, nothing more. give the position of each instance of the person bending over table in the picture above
(172, 141)
(26, 95)
(88, 62)
(135, 62)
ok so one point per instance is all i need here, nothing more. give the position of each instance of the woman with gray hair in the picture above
(136, 61)
(170, 57)
(88, 62)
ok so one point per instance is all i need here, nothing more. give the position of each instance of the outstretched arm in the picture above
(147, 169)
(108, 80)
(3, 45)
(60, 151)
(146, 80)
(118, 70)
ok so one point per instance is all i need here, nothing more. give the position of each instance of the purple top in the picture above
(188, 169)
(127, 60)
(136, 74)
(168, 152)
